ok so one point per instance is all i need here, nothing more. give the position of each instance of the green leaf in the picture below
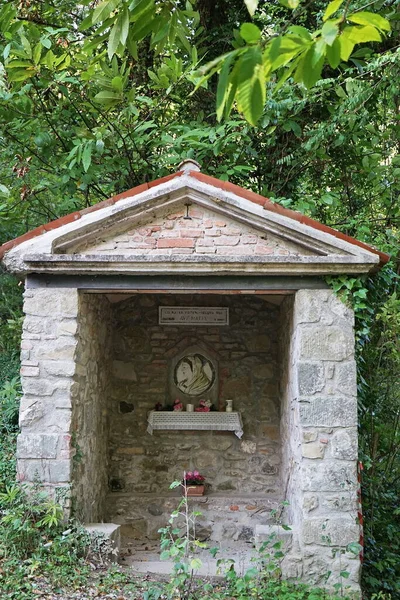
(251, 6)
(119, 33)
(15, 64)
(250, 33)
(117, 83)
(232, 89)
(319, 51)
(368, 18)
(21, 74)
(223, 86)
(251, 92)
(26, 45)
(283, 49)
(330, 32)
(195, 564)
(290, 3)
(103, 10)
(124, 24)
(132, 47)
(46, 43)
(107, 97)
(364, 34)
(37, 53)
(333, 54)
(309, 71)
(332, 8)
(346, 44)
(4, 191)
(138, 7)
(143, 26)
(300, 31)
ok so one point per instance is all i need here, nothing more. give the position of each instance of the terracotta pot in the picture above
(195, 490)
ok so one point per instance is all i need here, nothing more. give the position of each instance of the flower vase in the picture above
(195, 490)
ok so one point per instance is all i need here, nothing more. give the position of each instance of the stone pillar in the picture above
(49, 345)
(319, 430)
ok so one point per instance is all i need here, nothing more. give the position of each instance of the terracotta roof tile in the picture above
(292, 214)
(224, 185)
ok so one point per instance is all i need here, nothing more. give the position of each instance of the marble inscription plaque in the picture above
(193, 315)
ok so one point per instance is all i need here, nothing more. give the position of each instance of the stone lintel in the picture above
(197, 264)
(175, 283)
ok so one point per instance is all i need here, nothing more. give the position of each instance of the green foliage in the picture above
(9, 404)
(88, 110)
(10, 317)
(35, 544)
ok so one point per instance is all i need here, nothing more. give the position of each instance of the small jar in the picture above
(189, 407)
(229, 406)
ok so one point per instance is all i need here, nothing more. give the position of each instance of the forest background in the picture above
(303, 107)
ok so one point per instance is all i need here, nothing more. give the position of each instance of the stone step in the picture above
(111, 533)
(273, 534)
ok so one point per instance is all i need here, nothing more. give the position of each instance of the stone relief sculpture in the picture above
(194, 374)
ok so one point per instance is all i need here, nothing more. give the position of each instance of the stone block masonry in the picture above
(64, 372)
(319, 437)
(49, 345)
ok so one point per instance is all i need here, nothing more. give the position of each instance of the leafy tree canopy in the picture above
(296, 100)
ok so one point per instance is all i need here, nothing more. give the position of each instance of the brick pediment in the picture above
(227, 232)
(191, 230)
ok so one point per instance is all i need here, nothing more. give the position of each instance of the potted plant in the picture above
(193, 483)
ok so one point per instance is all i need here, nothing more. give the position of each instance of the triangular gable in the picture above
(188, 229)
(138, 230)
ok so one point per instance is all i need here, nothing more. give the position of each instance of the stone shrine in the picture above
(192, 289)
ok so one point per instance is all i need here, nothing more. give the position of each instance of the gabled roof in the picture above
(189, 178)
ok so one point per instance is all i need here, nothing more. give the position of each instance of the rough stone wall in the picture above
(89, 415)
(243, 476)
(48, 349)
(204, 233)
(320, 417)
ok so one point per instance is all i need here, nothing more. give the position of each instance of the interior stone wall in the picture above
(89, 425)
(243, 476)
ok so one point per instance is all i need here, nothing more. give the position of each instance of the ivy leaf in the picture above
(330, 32)
(332, 8)
(368, 18)
(250, 33)
(251, 6)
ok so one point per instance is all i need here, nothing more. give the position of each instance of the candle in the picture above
(189, 407)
